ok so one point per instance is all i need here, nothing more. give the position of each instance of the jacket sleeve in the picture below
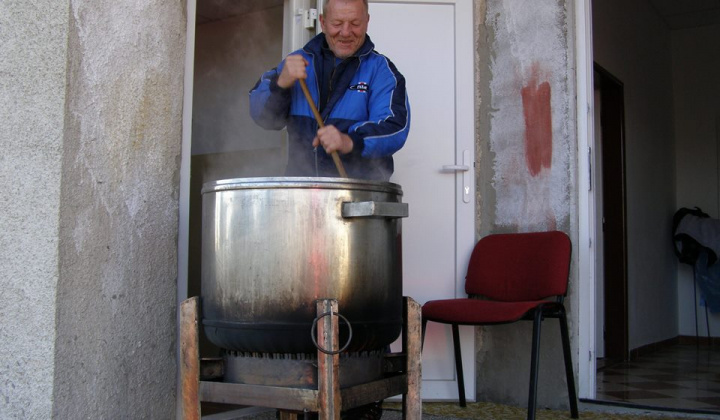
(388, 124)
(269, 103)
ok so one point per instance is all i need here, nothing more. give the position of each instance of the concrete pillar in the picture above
(527, 158)
(92, 99)
(33, 47)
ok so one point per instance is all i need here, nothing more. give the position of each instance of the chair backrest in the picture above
(520, 266)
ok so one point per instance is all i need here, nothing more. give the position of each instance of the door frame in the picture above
(587, 218)
(185, 159)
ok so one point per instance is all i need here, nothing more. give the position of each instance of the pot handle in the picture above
(374, 209)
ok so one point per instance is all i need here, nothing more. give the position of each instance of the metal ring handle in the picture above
(313, 332)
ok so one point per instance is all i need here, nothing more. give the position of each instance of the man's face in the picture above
(344, 23)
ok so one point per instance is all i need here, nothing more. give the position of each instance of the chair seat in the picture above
(476, 311)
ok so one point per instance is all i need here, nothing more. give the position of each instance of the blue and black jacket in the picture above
(363, 96)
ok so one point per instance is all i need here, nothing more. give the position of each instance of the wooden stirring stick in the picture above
(308, 97)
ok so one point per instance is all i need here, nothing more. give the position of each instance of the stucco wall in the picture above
(119, 211)
(634, 46)
(33, 47)
(696, 91)
(92, 96)
(527, 174)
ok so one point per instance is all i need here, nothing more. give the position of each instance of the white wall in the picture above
(696, 60)
(633, 44)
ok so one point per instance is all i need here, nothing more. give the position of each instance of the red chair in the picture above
(510, 278)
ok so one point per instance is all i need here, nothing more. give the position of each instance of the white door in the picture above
(431, 43)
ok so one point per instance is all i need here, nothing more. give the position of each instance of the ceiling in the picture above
(683, 14)
(678, 14)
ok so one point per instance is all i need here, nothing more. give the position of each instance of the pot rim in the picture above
(301, 183)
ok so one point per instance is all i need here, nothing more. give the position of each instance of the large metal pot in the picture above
(272, 246)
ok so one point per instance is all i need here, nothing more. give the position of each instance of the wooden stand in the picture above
(403, 377)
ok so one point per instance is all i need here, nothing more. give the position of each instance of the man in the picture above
(361, 98)
(359, 93)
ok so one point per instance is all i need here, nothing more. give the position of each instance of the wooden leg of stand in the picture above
(328, 364)
(288, 415)
(190, 359)
(412, 343)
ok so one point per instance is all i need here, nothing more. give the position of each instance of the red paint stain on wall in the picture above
(538, 124)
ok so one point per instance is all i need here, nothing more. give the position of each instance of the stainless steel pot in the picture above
(272, 246)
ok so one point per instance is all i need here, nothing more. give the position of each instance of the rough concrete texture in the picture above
(530, 114)
(33, 39)
(116, 297)
(527, 149)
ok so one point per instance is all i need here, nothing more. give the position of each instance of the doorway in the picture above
(660, 55)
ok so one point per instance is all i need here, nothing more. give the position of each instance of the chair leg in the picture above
(422, 333)
(534, 362)
(572, 394)
(458, 365)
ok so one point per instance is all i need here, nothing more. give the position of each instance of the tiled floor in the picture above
(682, 376)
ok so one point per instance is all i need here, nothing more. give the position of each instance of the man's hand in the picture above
(332, 140)
(293, 70)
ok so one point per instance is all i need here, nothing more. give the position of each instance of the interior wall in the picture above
(230, 56)
(696, 60)
(633, 43)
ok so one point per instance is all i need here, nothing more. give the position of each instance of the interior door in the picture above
(431, 43)
(614, 219)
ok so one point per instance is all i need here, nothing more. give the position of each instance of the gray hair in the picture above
(327, 4)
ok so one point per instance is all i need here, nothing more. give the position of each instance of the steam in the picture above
(230, 56)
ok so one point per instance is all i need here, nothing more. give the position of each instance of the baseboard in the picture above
(653, 347)
(702, 341)
(681, 339)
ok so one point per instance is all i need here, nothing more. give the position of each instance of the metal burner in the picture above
(299, 370)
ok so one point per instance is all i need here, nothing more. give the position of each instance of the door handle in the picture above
(455, 168)
(464, 169)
